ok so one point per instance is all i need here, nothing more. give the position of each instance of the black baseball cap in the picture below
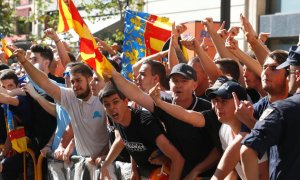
(187, 71)
(293, 58)
(226, 89)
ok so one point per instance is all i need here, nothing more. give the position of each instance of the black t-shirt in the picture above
(140, 136)
(3, 133)
(44, 124)
(23, 114)
(193, 143)
(123, 156)
(57, 79)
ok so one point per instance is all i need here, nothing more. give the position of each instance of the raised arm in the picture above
(48, 106)
(62, 52)
(157, 56)
(189, 116)
(207, 63)
(131, 91)
(251, 63)
(38, 76)
(172, 57)
(260, 50)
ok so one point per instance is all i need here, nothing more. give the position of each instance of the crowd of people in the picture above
(233, 116)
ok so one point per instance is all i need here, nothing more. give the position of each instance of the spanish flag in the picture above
(69, 18)
(7, 52)
(145, 34)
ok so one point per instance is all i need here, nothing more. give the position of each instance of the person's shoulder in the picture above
(292, 101)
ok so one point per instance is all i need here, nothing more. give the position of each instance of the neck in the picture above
(186, 103)
(88, 97)
(260, 91)
(126, 118)
(276, 97)
(235, 125)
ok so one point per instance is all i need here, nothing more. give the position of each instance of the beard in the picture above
(85, 94)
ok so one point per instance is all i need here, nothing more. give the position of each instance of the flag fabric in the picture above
(65, 21)
(145, 34)
(16, 134)
(89, 51)
(6, 51)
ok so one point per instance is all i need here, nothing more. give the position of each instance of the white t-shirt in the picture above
(226, 137)
(88, 122)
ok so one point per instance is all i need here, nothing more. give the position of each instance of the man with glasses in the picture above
(276, 132)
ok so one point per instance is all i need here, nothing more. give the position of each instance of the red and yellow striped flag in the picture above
(89, 51)
(7, 52)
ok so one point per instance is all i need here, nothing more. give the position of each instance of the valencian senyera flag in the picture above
(145, 34)
(6, 51)
(69, 18)
(16, 134)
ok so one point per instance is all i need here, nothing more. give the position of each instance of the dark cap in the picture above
(293, 58)
(218, 83)
(226, 89)
(187, 71)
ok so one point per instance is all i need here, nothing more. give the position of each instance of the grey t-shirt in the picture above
(88, 122)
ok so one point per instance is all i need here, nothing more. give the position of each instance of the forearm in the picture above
(260, 50)
(208, 65)
(46, 105)
(249, 163)
(62, 52)
(114, 151)
(191, 117)
(210, 161)
(66, 137)
(132, 92)
(6, 99)
(180, 55)
(172, 57)
(252, 64)
(229, 159)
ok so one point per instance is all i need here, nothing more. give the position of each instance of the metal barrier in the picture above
(32, 155)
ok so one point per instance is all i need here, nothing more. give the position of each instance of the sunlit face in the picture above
(80, 85)
(39, 62)
(115, 107)
(224, 109)
(251, 79)
(145, 80)
(96, 84)
(181, 87)
(8, 84)
(272, 79)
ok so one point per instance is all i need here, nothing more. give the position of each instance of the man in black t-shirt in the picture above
(193, 143)
(140, 133)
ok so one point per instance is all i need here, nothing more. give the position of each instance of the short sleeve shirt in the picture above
(88, 122)
(140, 136)
(277, 131)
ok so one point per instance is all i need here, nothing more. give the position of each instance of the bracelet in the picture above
(57, 41)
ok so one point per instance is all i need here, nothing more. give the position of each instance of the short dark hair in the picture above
(108, 90)
(279, 56)
(3, 66)
(9, 74)
(229, 66)
(157, 68)
(79, 67)
(45, 51)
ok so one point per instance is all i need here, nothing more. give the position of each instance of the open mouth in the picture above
(115, 115)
